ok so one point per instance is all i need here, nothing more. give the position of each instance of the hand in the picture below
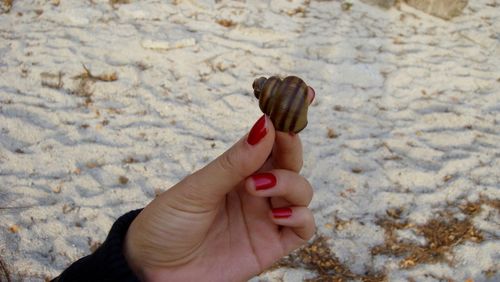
(230, 220)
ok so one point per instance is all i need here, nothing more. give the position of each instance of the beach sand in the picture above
(103, 106)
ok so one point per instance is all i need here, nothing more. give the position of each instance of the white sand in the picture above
(414, 99)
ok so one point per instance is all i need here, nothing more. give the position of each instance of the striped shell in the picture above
(284, 101)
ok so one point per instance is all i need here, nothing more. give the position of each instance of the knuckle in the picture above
(191, 194)
(307, 225)
(309, 193)
(230, 163)
(312, 225)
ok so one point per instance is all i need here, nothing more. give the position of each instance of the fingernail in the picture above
(314, 94)
(264, 181)
(258, 131)
(282, 212)
(292, 134)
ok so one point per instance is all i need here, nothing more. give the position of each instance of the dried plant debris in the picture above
(494, 203)
(67, 208)
(318, 257)
(226, 22)
(130, 160)
(93, 245)
(297, 11)
(83, 89)
(442, 234)
(114, 2)
(85, 80)
(339, 108)
(346, 6)
(331, 133)
(52, 80)
(87, 75)
(136, 159)
(6, 5)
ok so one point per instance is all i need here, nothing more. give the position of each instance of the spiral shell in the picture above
(284, 101)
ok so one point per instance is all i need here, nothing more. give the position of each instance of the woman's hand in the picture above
(230, 220)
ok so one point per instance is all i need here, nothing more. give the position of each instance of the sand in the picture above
(104, 106)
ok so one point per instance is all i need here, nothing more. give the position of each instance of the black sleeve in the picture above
(107, 263)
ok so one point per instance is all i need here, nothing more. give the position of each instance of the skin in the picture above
(215, 226)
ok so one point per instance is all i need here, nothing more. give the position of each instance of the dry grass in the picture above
(83, 89)
(87, 75)
(318, 257)
(85, 80)
(442, 234)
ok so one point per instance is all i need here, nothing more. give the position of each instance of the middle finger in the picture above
(287, 151)
(281, 184)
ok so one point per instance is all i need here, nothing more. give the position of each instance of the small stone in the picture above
(123, 180)
(356, 170)
(14, 228)
(331, 134)
(57, 189)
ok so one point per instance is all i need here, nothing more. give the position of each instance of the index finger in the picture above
(287, 151)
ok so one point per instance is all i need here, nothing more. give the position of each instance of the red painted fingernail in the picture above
(282, 212)
(314, 94)
(258, 131)
(264, 181)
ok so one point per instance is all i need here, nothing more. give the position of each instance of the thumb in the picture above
(210, 184)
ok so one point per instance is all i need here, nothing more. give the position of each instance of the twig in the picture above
(102, 77)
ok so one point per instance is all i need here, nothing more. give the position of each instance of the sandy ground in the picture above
(402, 146)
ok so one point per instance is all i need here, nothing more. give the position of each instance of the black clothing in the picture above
(107, 263)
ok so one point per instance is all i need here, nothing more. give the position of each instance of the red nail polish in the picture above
(264, 181)
(258, 131)
(314, 94)
(282, 212)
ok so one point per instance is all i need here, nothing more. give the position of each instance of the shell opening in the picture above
(257, 86)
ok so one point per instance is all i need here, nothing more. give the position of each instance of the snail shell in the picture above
(284, 101)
